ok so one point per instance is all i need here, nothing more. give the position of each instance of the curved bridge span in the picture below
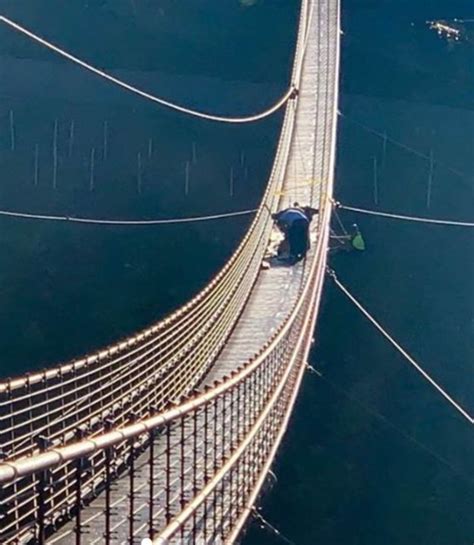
(171, 433)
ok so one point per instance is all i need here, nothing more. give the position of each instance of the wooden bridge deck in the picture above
(276, 289)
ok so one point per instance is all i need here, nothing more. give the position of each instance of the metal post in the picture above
(108, 479)
(214, 439)
(214, 498)
(430, 180)
(206, 476)
(168, 474)
(41, 507)
(233, 415)
(376, 182)
(131, 494)
(151, 468)
(78, 529)
(206, 443)
(43, 443)
(223, 427)
(195, 487)
(55, 154)
(92, 171)
(182, 466)
(223, 432)
(246, 397)
(182, 469)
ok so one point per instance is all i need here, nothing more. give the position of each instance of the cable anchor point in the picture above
(294, 92)
(331, 272)
(313, 370)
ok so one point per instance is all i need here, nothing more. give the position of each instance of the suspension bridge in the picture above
(170, 434)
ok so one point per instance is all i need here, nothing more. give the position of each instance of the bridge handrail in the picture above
(115, 375)
(28, 488)
(98, 470)
(52, 372)
(23, 467)
(51, 380)
(65, 471)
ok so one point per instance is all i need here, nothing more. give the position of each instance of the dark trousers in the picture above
(298, 238)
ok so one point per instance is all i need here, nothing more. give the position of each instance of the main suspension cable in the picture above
(290, 92)
(417, 219)
(403, 352)
(92, 221)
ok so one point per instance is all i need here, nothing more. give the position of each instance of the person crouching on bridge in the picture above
(294, 223)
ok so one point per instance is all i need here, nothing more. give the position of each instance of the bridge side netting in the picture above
(130, 382)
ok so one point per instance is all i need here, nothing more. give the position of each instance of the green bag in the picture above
(358, 242)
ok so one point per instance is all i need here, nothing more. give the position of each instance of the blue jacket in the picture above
(287, 217)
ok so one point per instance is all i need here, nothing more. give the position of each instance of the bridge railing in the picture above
(123, 384)
(146, 371)
(206, 458)
(155, 366)
(126, 382)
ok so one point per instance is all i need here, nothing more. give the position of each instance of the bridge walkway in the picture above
(274, 295)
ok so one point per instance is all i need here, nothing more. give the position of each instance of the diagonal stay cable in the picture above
(289, 93)
(417, 219)
(167, 221)
(403, 352)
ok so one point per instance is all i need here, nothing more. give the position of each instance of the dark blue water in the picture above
(373, 456)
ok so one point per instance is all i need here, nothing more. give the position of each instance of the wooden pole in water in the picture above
(92, 171)
(12, 131)
(106, 140)
(55, 154)
(384, 149)
(72, 129)
(231, 182)
(186, 178)
(139, 173)
(376, 181)
(430, 180)
(36, 173)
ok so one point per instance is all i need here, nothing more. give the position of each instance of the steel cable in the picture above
(416, 219)
(124, 85)
(403, 352)
(167, 221)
